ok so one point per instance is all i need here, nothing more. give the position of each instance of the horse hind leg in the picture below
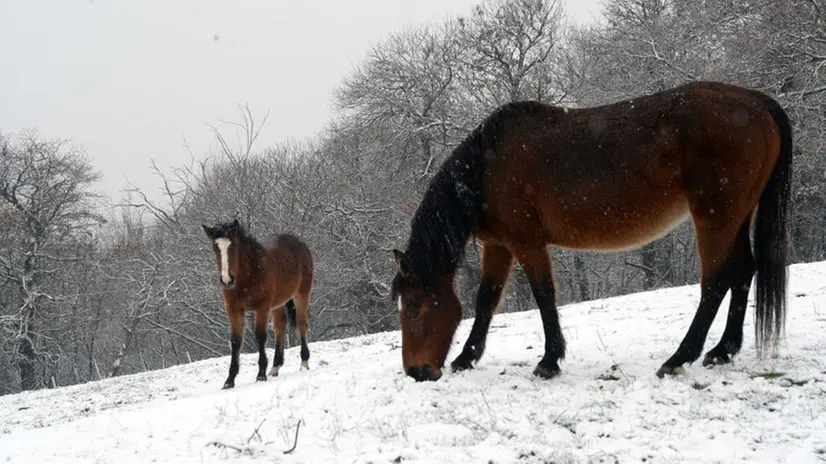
(301, 312)
(279, 325)
(715, 243)
(742, 269)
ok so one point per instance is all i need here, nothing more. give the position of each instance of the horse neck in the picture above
(438, 239)
(429, 263)
(450, 211)
(250, 254)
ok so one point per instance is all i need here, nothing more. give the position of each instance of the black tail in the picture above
(289, 309)
(771, 242)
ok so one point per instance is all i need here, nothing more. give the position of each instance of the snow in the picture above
(356, 406)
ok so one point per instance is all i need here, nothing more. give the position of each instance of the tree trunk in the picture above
(649, 261)
(581, 276)
(130, 327)
(27, 364)
(128, 332)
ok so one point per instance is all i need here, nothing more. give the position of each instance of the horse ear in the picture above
(207, 230)
(401, 262)
(235, 224)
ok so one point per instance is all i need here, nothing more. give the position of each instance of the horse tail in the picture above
(771, 243)
(289, 309)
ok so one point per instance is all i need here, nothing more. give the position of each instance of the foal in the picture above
(263, 279)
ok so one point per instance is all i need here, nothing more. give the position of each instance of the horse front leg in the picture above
(536, 263)
(236, 324)
(497, 263)
(261, 319)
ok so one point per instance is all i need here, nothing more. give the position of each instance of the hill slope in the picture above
(357, 406)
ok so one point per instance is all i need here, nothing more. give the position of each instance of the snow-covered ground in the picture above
(356, 406)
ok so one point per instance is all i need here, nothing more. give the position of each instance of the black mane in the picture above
(452, 208)
(251, 246)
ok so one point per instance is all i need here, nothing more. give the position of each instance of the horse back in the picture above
(290, 258)
(619, 175)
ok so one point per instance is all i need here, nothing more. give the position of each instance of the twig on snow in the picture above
(224, 445)
(255, 432)
(295, 443)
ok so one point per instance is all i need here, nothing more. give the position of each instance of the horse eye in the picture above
(414, 309)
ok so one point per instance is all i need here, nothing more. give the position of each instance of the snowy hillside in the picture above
(358, 407)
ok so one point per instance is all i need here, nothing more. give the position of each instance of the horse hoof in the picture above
(461, 365)
(261, 378)
(305, 365)
(228, 385)
(546, 372)
(670, 370)
(711, 360)
(274, 371)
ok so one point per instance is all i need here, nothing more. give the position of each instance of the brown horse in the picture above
(263, 279)
(606, 178)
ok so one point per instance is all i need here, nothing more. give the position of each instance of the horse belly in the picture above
(584, 192)
(610, 225)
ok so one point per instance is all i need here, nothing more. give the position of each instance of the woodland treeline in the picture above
(86, 293)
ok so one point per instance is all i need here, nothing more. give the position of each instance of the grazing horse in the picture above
(606, 178)
(263, 279)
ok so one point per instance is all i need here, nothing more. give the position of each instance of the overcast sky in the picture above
(128, 80)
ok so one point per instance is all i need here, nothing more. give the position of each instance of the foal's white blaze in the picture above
(223, 245)
(399, 303)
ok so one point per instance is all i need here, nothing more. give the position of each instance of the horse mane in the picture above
(453, 205)
(252, 248)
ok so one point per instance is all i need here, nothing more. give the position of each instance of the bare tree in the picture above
(45, 190)
(512, 53)
(406, 85)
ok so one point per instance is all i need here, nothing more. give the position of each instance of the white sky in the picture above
(130, 79)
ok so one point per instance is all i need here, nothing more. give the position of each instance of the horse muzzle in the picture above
(228, 285)
(424, 373)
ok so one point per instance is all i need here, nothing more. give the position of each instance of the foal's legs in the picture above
(302, 316)
(741, 269)
(536, 263)
(261, 318)
(279, 325)
(497, 263)
(236, 323)
(715, 244)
